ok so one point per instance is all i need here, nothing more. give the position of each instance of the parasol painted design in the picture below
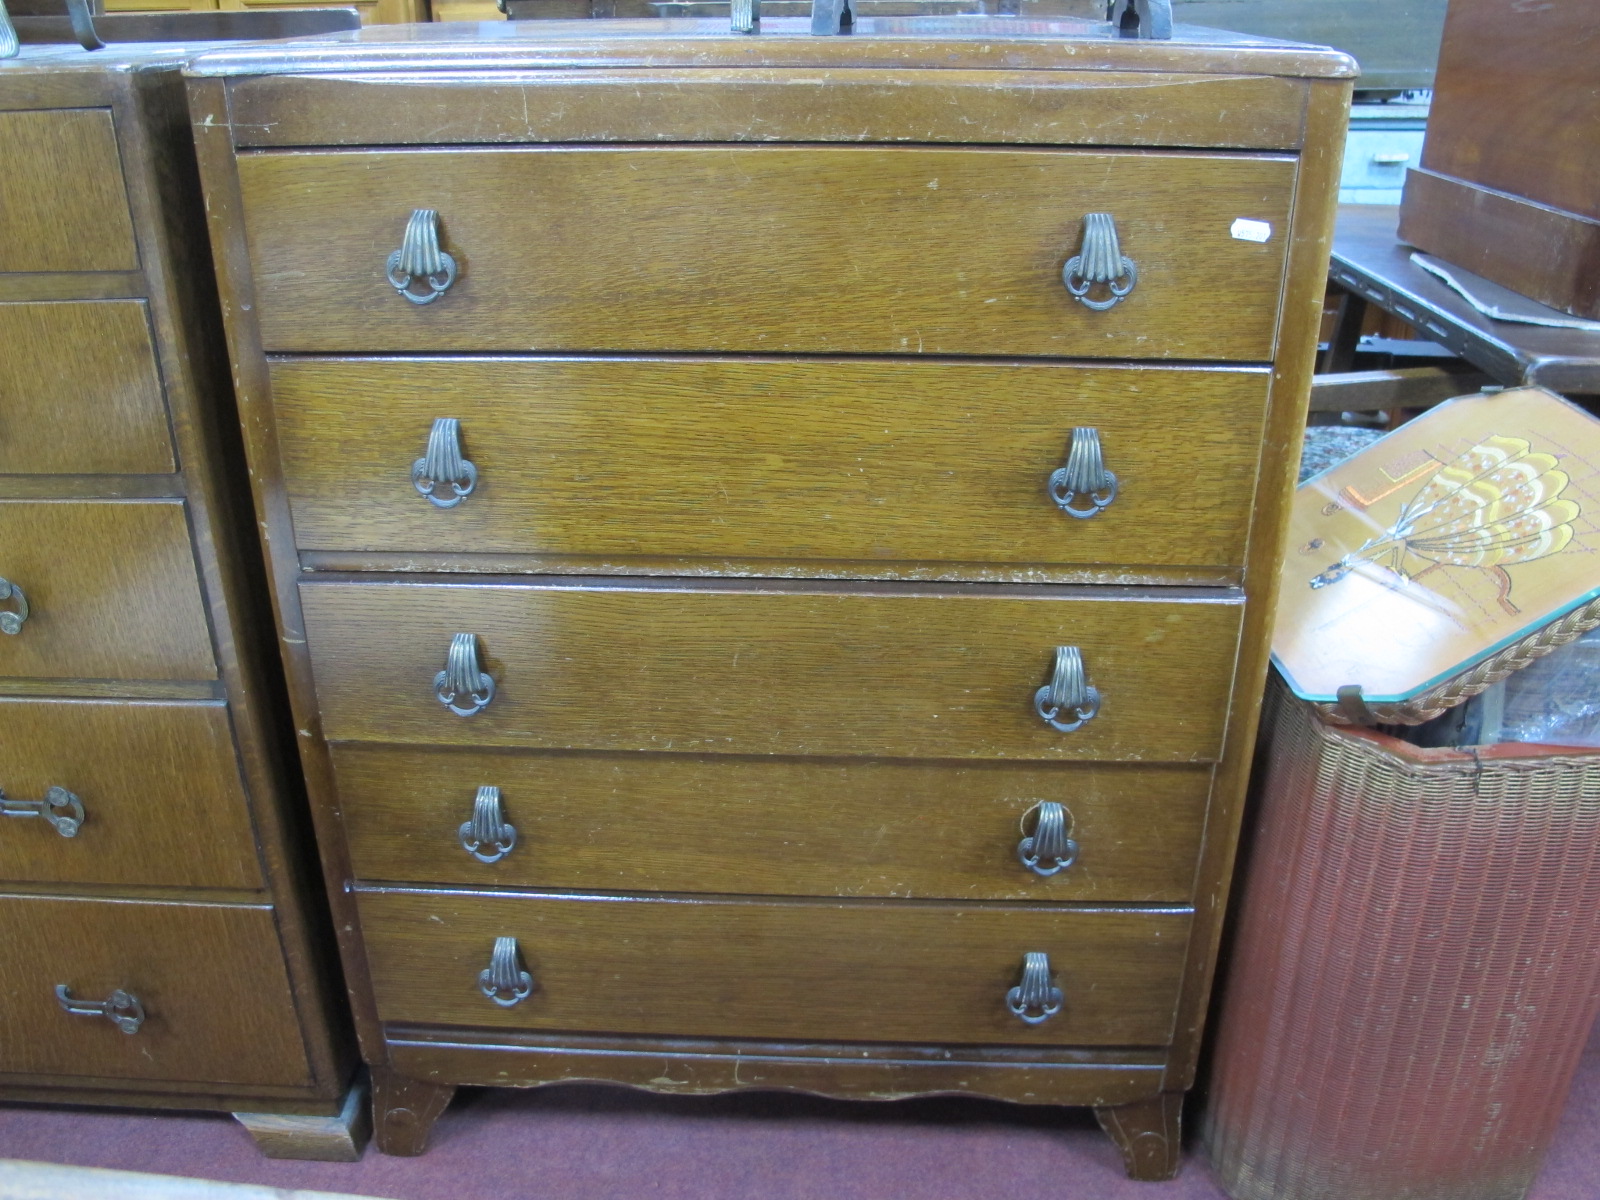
(1496, 505)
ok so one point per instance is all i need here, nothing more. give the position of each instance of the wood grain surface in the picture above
(892, 250)
(68, 211)
(112, 590)
(772, 826)
(801, 969)
(1103, 108)
(905, 462)
(90, 367)
(210, 977)
(772, 669)
(159, 784)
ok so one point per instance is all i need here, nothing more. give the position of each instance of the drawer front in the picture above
(767, 669)
(1378, 158)
(88, 367)
(209, 978)
(63, 206)
(157, 787)
(111, 590)
(874, 462)
(729, 968)
(768, 249)
(703, 823)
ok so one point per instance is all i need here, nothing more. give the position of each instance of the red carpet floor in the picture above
(601, 1143)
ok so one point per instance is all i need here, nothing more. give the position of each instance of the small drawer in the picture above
(866, 972)
(772, 826)
(957, 466)
(1379, 158)
(767, 249)
(207, 979)
(110, 590)
(63, 204)
(86, 369)
(134, 792)
(760, 668)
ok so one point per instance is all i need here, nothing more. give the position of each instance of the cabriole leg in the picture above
(1148, 1134)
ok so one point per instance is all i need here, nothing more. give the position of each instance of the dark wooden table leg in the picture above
(404, 1110)
(1148, 1134)
(1341, 352)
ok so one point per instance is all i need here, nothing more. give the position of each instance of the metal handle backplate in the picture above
(1099, 275)
(1035, 999)
(487, 836)
(11, 619)
(1083, 487)
(61, 810)
(121, 1008)
(1067, 701)
(504, 981)
(442, 466)
(1047, 849)
(420, 262)
(463, 687)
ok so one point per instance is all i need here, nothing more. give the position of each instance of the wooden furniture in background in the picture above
(375, 12)
(1509, 186)
(714, 469)
(152, 849)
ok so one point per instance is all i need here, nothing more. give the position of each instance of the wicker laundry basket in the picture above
(1415, 968)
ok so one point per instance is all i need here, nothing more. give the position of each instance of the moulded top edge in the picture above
(919, 42)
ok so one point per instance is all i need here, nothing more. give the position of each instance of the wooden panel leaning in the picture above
(165, 945)
(711, 513)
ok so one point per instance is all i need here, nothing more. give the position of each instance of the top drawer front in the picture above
(868, 250)
(63, 206)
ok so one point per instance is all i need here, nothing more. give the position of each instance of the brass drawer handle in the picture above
(487, 828)
(12, 618)
(443, 464)
(504, 981)
(1035, 999)
(1068, 700)
(121, 1008)
(1084, 475)
(1101, 261)
(420, 260)
(61, 810)
(462, 677)
(1047, 849)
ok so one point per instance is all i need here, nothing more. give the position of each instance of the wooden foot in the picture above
(339, 1138)
(404, 1110)
(1147, 1133)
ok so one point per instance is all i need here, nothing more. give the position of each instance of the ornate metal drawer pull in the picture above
(1067, 701)
(60, 808)
(1035, 999)
(121, 1008)
(419, 260)
(505, 982)
(443, 464)
(462, 677)
(1047, 849)
(1084, 475)
(487, 828)
(1100, 261)
(11, 620)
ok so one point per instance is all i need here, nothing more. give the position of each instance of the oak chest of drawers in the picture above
(773, 535)
(164, 934)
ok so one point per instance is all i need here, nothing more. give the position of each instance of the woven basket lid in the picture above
(1442, 558)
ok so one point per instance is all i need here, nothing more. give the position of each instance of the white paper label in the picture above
(1247, 230)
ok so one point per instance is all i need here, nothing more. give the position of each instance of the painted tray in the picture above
(1441, 558)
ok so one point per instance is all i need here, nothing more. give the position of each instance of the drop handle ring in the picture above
(443, 466)
(1083, 487)
(505, 981)
(1068, 701)
(487, 836)
(1034, 1000)
(463, 687)
(13, 618)
(121, 1008)
(1100, 264)
(1047, 849)
(420, 261)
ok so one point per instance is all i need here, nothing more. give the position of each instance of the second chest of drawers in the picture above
(775, 576)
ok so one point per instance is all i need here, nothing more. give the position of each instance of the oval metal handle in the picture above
(504, 981)
(12, 618)
(1035, 999)
(121, 1008)
(61, 810)
(1084, 475)
(487, 828)
(1067, 701)
(1047, 849)
(420, 260)
(463, 677)
(1101, 261)
(443, 464)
